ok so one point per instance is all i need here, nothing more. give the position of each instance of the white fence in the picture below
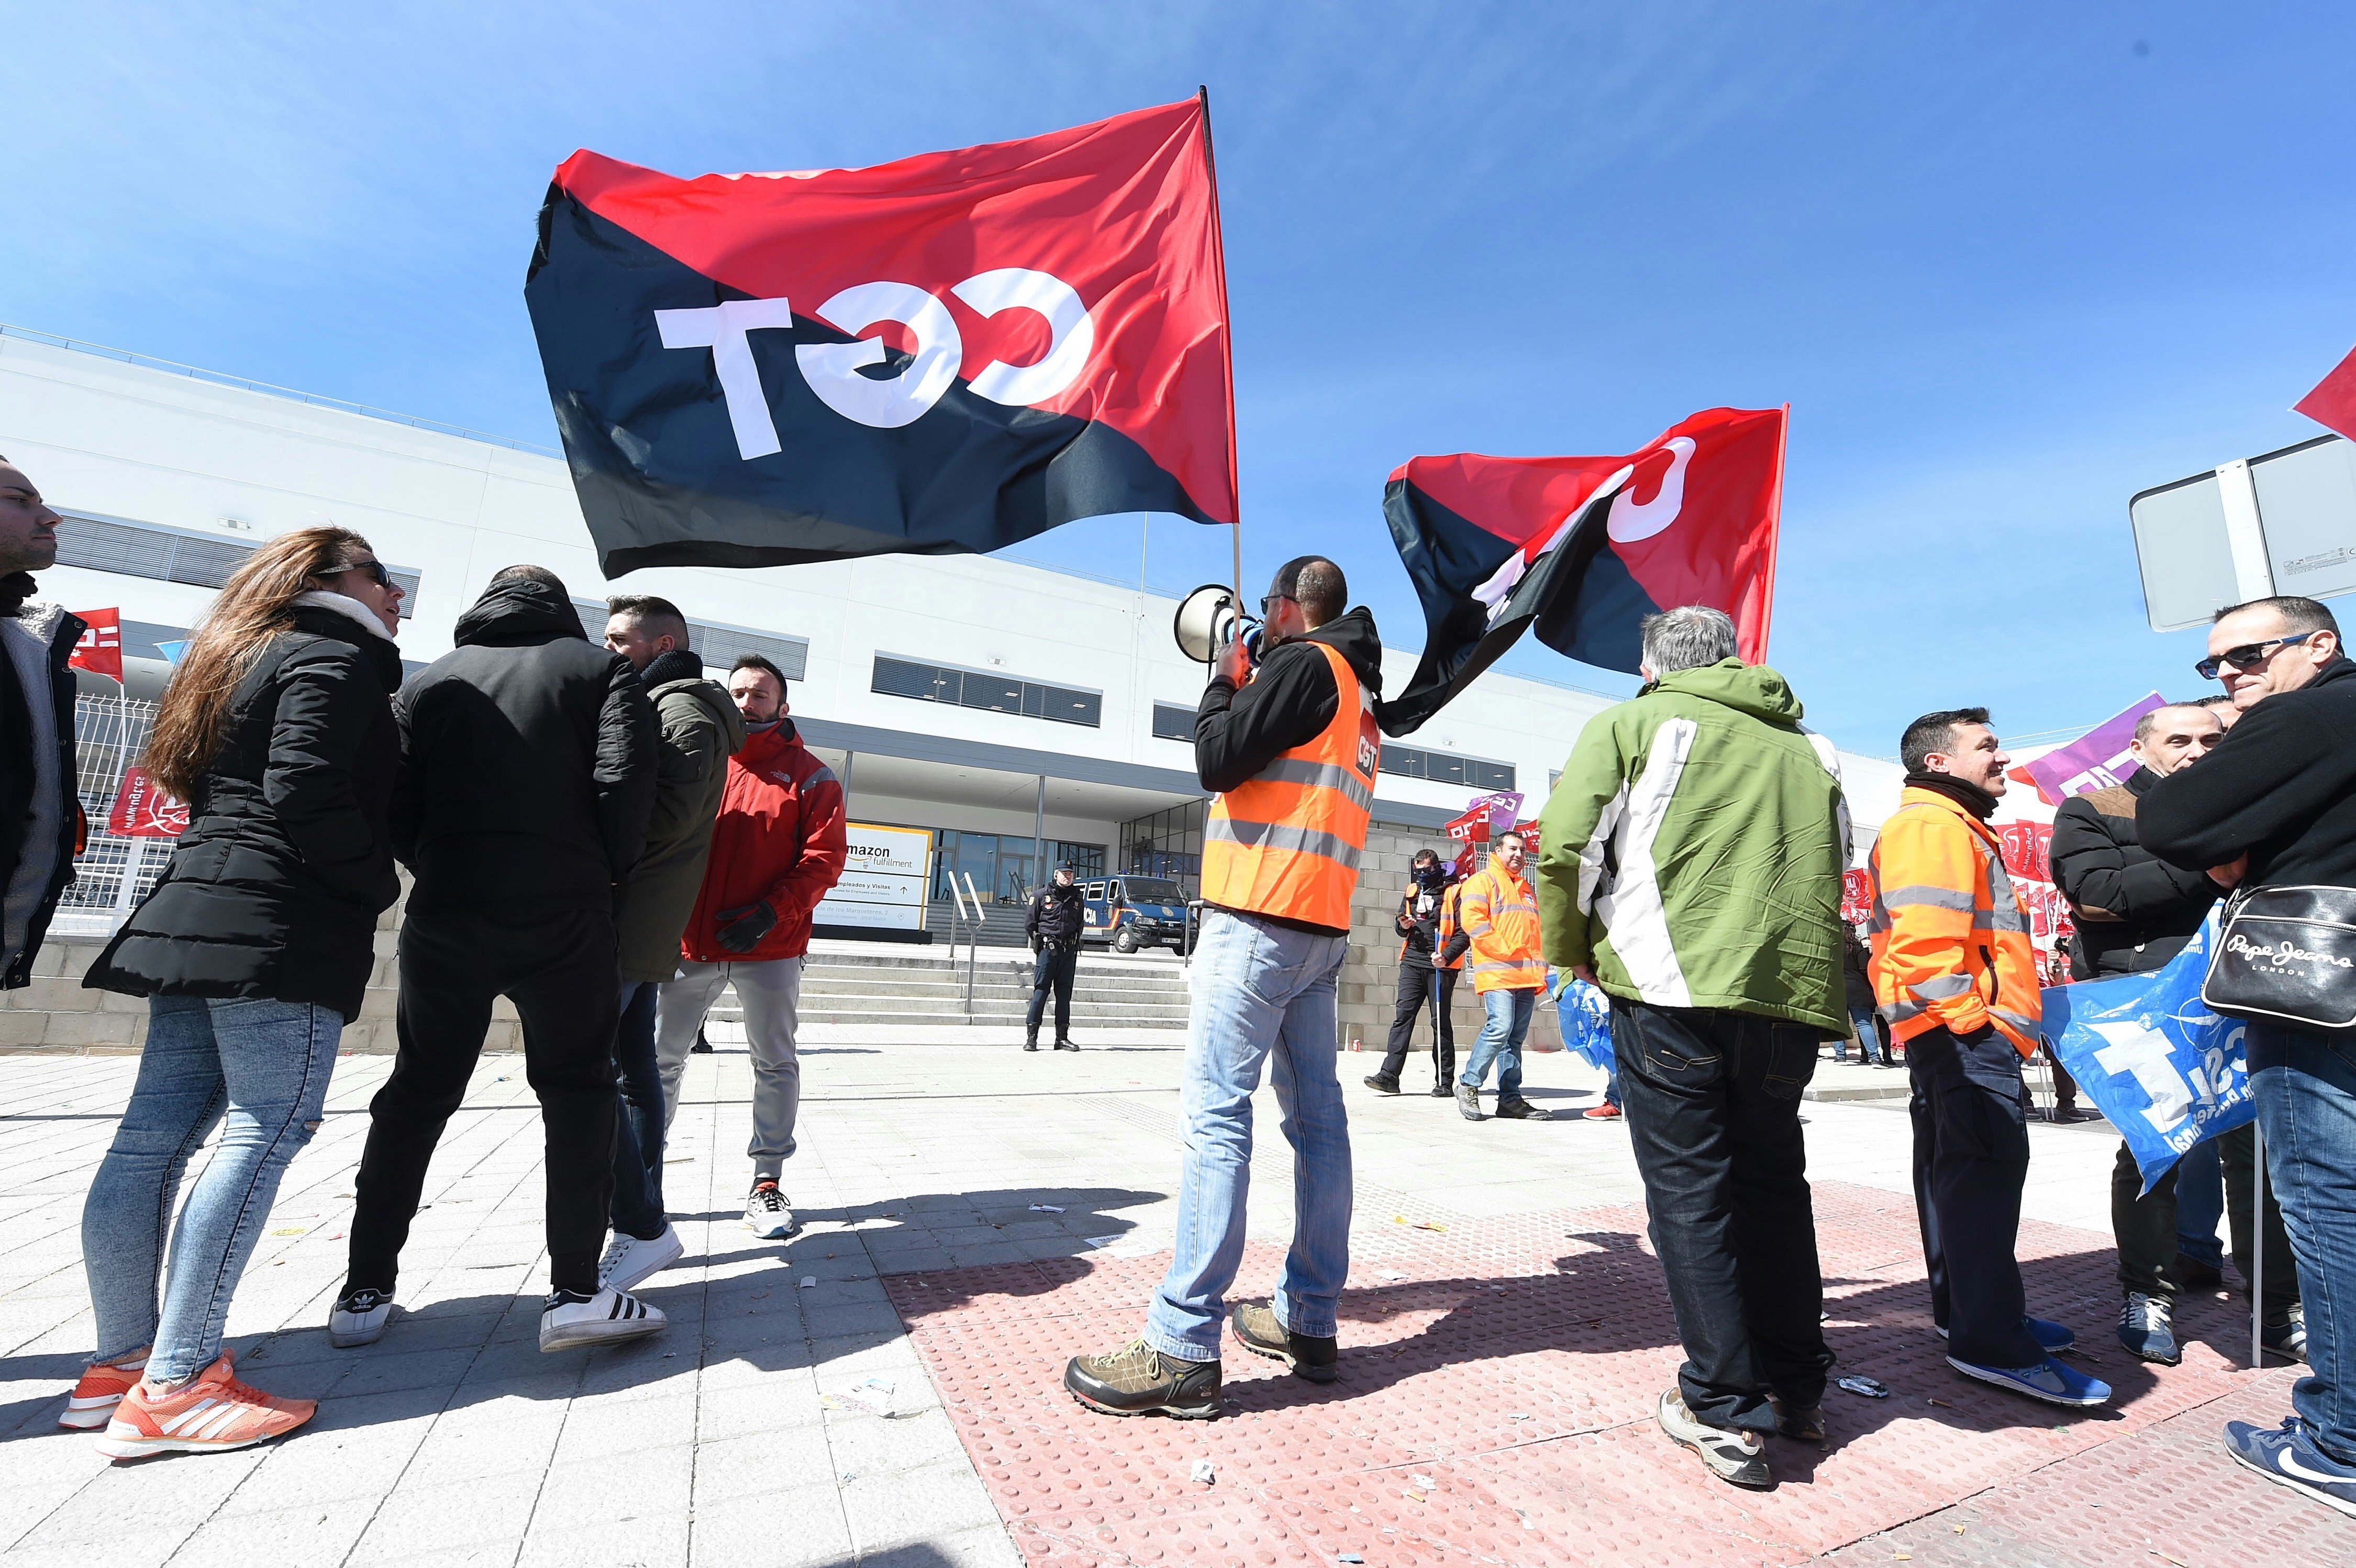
(111, 874)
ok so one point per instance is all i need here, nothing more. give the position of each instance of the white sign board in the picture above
(884, 880)
(2281, 523)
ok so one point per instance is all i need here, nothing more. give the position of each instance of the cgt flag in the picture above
(945, 354)
(1585, 547)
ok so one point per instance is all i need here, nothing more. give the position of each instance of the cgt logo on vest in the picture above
(1370, 739)
(836, 371)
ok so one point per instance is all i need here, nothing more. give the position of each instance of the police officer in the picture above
(1291, 750)
(1053, 923)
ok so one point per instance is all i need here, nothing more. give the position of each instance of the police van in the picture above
(1133, 912)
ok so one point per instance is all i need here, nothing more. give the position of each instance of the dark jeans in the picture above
(1419, 984)
(557, 967)
(2065, 1088)
(1054, 967)
(1971, 1156)
(2144, 1224)
(2306, 1085)
(1712, 1099)
(637, 1208)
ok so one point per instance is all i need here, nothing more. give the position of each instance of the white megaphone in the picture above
(1209, 619)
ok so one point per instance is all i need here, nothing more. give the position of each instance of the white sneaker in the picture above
(629, 1259)
(767, 1213)
(359, 1319)
(610, 1317)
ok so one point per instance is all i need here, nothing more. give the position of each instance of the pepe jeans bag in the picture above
(2288, 955)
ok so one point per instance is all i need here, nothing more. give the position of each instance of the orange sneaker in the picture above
(101, 1388)
(211, 1410)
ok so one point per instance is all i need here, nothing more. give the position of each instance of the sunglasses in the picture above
(2249, 656)
(375, 569)
(1265, 611)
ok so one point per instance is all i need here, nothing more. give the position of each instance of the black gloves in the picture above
(741, 930)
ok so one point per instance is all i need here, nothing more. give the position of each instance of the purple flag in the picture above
(2095, 760)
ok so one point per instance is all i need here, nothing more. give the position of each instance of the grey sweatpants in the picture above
(772, 994)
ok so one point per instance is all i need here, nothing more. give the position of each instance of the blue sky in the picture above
(2010, 264)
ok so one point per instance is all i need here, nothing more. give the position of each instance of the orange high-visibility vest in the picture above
(1501, 911)
(1287, 843)
(1951, 935)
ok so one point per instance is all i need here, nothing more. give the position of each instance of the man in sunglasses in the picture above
(2274, 806)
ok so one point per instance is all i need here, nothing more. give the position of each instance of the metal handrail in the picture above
(972, 946)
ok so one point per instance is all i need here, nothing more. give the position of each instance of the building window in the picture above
(171, 554)
(1172, 722)
(1442, 768)
(718, 646)
(1167, 843)
(992, 692)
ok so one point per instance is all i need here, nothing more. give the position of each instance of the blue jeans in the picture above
(264, 1065)
(1869, 1046)
(1501, 1041)
(2200, 1205)
(637, 1208)
(1258, 992)
(2305, 1086)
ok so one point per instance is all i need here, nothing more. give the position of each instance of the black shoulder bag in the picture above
(2287, 955)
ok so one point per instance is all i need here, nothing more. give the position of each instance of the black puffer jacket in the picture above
(273, 891)
(2134, 910)
(1056, 917)
(2280, 787)
(527, 761)
(52, 684)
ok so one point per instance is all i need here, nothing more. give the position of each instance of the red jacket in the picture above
(780, 838)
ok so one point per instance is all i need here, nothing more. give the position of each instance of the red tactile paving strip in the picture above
(1515, 1369)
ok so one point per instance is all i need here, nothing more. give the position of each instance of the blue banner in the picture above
(1585, 1015)
(2167, 1071)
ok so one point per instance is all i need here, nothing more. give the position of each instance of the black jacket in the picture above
(1288, 702)
(1055, 916)
(273, 893)
(1419, 933)
(2281, 786)
(16, 779)
(1857, 974)
(2134, 911)
(527, 761)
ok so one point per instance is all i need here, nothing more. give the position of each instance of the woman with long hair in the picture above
(253, 952)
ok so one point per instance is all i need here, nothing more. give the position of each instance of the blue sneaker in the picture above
(2051, 1383)
(2287, 1455)
(2146, 1328)
(2053, 1337)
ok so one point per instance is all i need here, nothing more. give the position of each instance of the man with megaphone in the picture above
(1289, 750)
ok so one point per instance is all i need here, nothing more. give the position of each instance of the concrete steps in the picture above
(923, 986)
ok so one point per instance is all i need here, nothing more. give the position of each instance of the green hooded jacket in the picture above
(1693, 851)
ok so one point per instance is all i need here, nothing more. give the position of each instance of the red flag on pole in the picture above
(100, 651)
(2333, 404)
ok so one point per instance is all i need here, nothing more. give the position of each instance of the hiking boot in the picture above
(1522, 1110)
(2288, 1337)
(1801, 1425)
(1381, 1083)
(1030, 1040)
(2145, 1329)
(1136, 1378)
(1468, 1100)
(1310, 1356)
(1738, 1458)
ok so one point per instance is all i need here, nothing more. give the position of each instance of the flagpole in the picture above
(1227, 319)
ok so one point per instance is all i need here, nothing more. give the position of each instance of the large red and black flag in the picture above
(945, 354)
(1584, 548)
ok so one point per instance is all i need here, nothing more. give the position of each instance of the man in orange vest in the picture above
(1955, 975)
(1289, 750)
(1501, 919)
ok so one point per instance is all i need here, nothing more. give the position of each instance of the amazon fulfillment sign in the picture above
(885, 876)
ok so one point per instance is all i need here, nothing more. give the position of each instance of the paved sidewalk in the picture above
(749, 1434)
